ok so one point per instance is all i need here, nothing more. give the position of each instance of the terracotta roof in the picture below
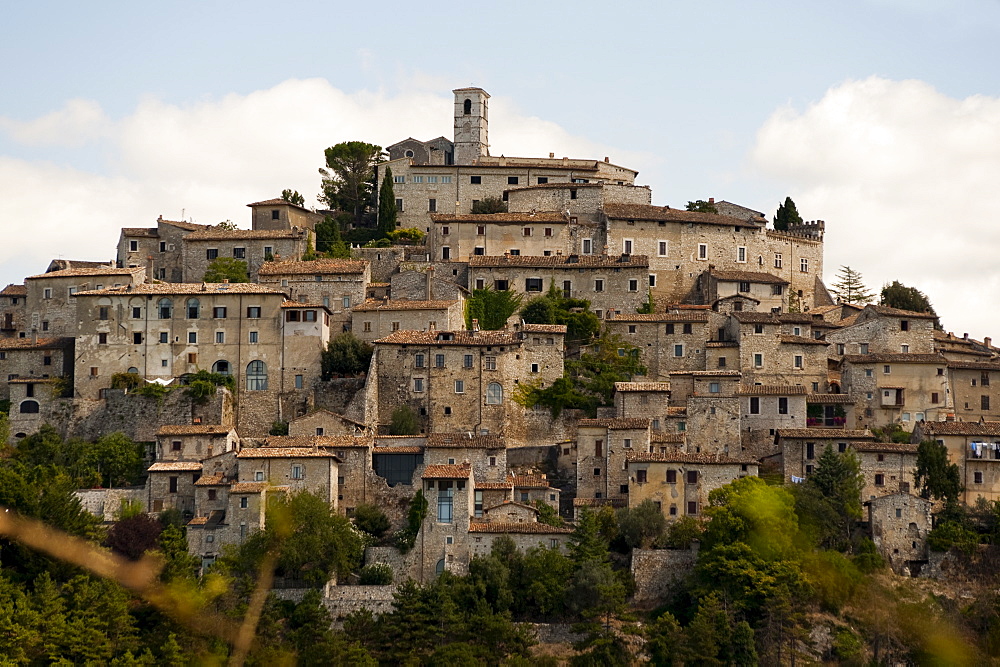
(192, 226)
(168, 289)
(174, 466)
(406, 449)
(570, 262)
(508, 501)
(520, 218)
(962, 428)
(40, 344)
(544, 328)
(746, 317)
(798, 318)
(216, 234)
(721, 343)
(465, 440)
(459, 471)
(332, 414)
(975, 365)
(531, 528)
(402, 304)
(498, 337)
(599, 502)
(800, 340)
(193, 429)
(708, 374)
(896, 359)
(690, 316)
(898, 312)
(284, 453)
(666, 438)
(771, 390)
(495, 486)
(84, 272)
(198, 521)
(316, 267)
(748, 276)
(667, 214)
(211, 480)
(148, 232)
(890, 447)
(379, 284)
(677, 456)
(278, 202)
(531, 482)
(330, 441)
(248, 487)
(299, 304)
(14, 290)
(29, 379)
(825, 433)
(615, 423)
(642, 386)
(827, 399)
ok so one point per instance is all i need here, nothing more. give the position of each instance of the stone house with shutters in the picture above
(159, 250)
(34, 357)
(372, 320)
(975, 448)
(764, 409)
(338, 284)
(12, 311)
(679, 482)
(975, 389)
(194, 442)
(601, 447)
(314, 469)
(667, 342)
(897, 388)
(899, 524)
(610, 283)
(531, 489)
(51, 304)
(644, 399)
(253, 246)
(460, 237)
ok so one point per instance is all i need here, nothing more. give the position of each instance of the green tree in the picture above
(664, 638)
(293, 197)
(850, 287)
(227, 225)
(348, 175)
(345, 354)
(830, 500)
(328, 239)
(133, 536)
(491, 308)
(701, 206)
(787, 215)
(403, 421)
(582, 325)
(641, 525)
(489, 205)
(387, 205)
(371, 519)
(548, 514)
(415, 516)
(935, 476)
(221, 269)
(118, 459)
(586, 543)
(898, 295)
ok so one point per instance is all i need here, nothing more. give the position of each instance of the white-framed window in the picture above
(804, 265)
(587, 246)
(445, 252)
(702, 251)
(47, 293)
(652, 280)
(904, 348)
(534, 368)
(713, 388)
(494, 393)
(297, 472)
(777, 260)
(398, 179)
(446, 179)
(133, 246)
(459, 386)
(741, 254)
(490, 363)
(253, 336)
(346, 302)
(627, 246)
(679, 350)
(418, 384)
(661, 248)
(417, 179)
(758, 360)
(220, 336)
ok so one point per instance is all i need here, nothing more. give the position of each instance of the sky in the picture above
(880, 117)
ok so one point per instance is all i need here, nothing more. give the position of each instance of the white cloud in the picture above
(211, 158)
(906, 179)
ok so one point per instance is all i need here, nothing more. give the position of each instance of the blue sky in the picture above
(881, 118)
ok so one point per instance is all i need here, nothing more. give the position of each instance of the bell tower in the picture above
(471, 125)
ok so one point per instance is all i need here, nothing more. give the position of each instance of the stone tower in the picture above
(471, 125)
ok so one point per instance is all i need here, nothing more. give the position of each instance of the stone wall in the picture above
(383, 261)
(342, 601)
(656, 571)
(105, 503)
(338, 395)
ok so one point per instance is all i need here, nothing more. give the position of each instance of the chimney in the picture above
(149, 268)
(711, 200)
(607, 159)
(965, 336)
(987, 341)
(225, 280)
(429, 291)
(475, 325)
(552, 156)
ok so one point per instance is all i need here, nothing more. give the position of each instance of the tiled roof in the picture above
(825, 433)
(599, 502)
(198, 521)
(379, 284)
(677, 411)
(148, 232)
(531, 528)
(284, 453)
(797, 318)
(299, 304)
(544, 328)
(216, 234)
(193, 429)
(508, 502)
(890, 447)
(459, 471)
(211, 480)
(560, 261)
(962, 428)
(975, 365)
(86, 272)
(14, 290)
(531, 482)
(169, 289)
(520, 218)
(191, 226)
(690, 316)
(771, 390)
(465, 440)
(666, 438)
(827, 399)
(174, 466)
(402, 304)
(278, 202)
(248, 487)
(316, 267)
(27, 344)
(29, 379)
(677, 456)
(642, 386)
(495, 486)
(667, 214)
(895, 359)
(746, 317)
(406, 449)
(331, 414)
(615, 423)
(748, 276)
(498, 337)
(800, 340)
(708, 374)
(331, 441)
(898, 312)
(556, 186)
(721, 343)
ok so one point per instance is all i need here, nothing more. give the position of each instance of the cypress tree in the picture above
(387, 205)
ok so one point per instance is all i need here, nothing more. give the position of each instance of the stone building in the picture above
(768, 355)
(464, 380)
(280, 214)
(800, 448)
(27, 358)
(766, 408)
(531, 489)
(609, 283)
(899, 524)
(667, 342)
(713, 410)
(51, 301)
(644, 399)
(884, 330)
(972, 390)
(487, 454)
(325, 422)
(253, 246)
(420, 282)
(338, 284)
(171, 485)
(313, 469)
(194, 442)
(679, 482)
(442, 543)
(897, 388)
(159, 250)
(13, 311)
(464, 236)
(377, 319)
(887, 467)
(975, 448)
(766, 289)
(601, 446)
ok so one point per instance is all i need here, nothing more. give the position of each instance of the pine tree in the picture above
(387, 205)
(787, 215)
(850, 287)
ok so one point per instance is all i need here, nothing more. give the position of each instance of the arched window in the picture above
(133, 370)
(222, 367)
(29, 407)
(166, 308)
(256, 376)
(439, 568)
(468, 107)
(494, 394)
(192, 309)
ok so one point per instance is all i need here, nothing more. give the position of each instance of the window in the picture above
(490, 363)
(192, 337)
(599, 285)
(984, 379)
(548, 231)
(758, 328)
(212, 253)
(459, 386)
(445, 252)
(755, 405)
(418, 361)
(512, 180)
(446, 179)
(532, 284)
(702, 251)
(165, 308)
(661, 248)
(253, 312)
(797, 362)
(633, 285)
(137, 313)
(445, 500)
(722, 362)
(782, 405)
(886, 369)
(256, 376)
(744, 286)
(219, 312)
(244, 501)
(45, 325)
(572, 192)
(935, 397)
(220, 336)
(398, 179)
(494, 394)
(741, 255)
(879, 479)
(239, 253)
(268, 252)
(777, 260)
(627, 246)
(103, 312)
(253, 336)
(864, 348)
(29, 407)
(692, 507)
(984, 402)
(869, 372)
(399, 204)
(297, 472)
(417, 179)
(133, 246)
(904, 325)
(418, 384)
(438, 361)
(192, 357)
(475, 180)
(804, 265)
(777, 290)
(309, 316)
(977, 477)
(275, 214)
(394, 326)
(136, 338)
(432, 205)
(467, 361)
(298, 382)
(102, 339)
(587, 246)
(679, 350)
(713, 388)
(173, 485)
(221, 367)
(758, 360)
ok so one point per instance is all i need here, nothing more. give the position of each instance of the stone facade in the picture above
(194, 442)
(899, 524)
(667, 342)
(644, 399)
(372, 320)
(325, 422)
(51, 302)
(601, 449)
(280, 214)
(159, 250)
(897, 388)
(975, 448)
(765, 409)
(13, 311)
(885, 330)
(972, 392)
(26, 358)
(801, 447)
(657, 571)
(887, 467)
(252, 246)
(337, 284)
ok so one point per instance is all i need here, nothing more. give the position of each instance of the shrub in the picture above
(371, 519)
(278, 428)
(126, 381)
(345, 354)
(404, 421)
(376, 574)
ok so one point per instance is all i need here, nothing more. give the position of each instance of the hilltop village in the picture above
(747, 364)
